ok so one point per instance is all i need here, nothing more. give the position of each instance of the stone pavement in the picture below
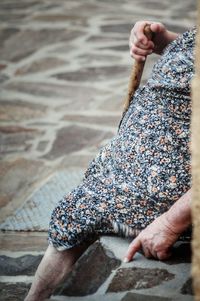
(64, 71)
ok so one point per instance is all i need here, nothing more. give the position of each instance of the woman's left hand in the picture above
(156, 240)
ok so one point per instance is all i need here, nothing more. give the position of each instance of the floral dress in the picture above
(145, 168)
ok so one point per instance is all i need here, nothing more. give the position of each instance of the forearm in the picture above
(179, 215)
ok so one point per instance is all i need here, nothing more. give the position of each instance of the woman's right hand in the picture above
(140, 46)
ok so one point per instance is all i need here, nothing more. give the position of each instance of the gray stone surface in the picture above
(13, 291)
(38, 39)
(74, 138)
(138, 278)
(40, 65)
(94, 74)
(18, 110)
(16, 177)
(34, 214)
(138, 297)
(24, 265)
(16, 139)
(91, 270)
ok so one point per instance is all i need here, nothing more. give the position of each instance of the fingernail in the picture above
(126, 260)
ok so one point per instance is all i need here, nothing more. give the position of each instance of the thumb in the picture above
(132, 249)
(157, 27)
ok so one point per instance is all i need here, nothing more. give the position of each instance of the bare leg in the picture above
(52, 270)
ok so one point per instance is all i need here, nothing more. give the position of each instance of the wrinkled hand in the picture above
(140, 46)
(156, 240)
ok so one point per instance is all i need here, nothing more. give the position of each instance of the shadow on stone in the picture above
(187, 288)
(181, 253)
(90, 271)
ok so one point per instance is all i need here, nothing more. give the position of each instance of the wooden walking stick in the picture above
(136, 72)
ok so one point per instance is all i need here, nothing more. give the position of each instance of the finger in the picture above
(163, 255)
(148, 46)
(135, 42)
(157, 27)
(139, 32)
(138, 58)
(133, 248)
(146, 252)
(141, 52)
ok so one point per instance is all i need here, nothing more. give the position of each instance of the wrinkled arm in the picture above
(157, 239)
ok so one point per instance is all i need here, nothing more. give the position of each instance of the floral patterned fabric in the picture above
(145, 168)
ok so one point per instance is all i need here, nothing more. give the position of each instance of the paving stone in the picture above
(16, 176)
(79, 160)
(35, 212)
(13, 291)
(18, 110)
(102, 39)
(114, 103)
(15, 5)
(92, 74)
(91, 8)
(91, 270)
(104, 120)
(23, 241)
(24, 265)
(22, 45)
(3, 78)
(157, 5)
(138, 278)
(175, 27)
(65, 48)
(74, 138)
(139, 297)
(6, 33)
(187, 288)
(2, 66)
(118, 28)
(16, 138)
(11, 17)
(76, 97)
(70, 19)
(40, 65)
(92, 58)
(124, 47)
(42, 145)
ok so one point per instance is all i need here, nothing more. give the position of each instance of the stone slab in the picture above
(24, 265)
(13, 291)
(18, 110)
(17, 177)
(22, 46)
(75, 97)
(22, 242)
(40, 65)
(108, 120)
(75, 138)
(140, 297)
(34, 214)
(138, 278)
(91, 270)
(94, 74)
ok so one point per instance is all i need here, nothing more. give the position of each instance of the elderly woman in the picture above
(139, 184)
